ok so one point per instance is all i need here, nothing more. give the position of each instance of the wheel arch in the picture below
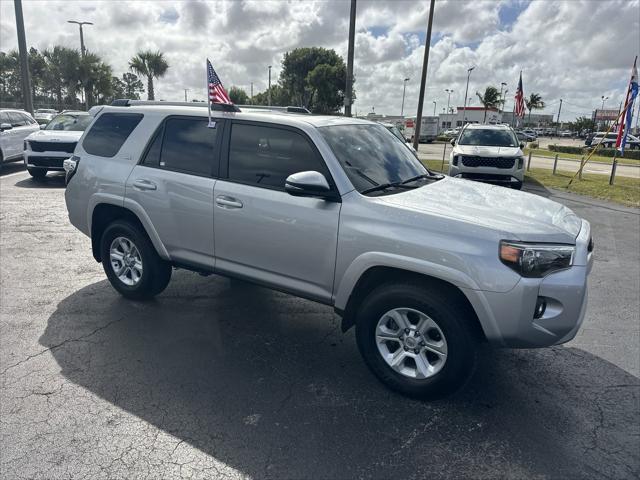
(104, 214)
(377, 275)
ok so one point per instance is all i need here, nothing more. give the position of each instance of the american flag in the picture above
(217, 93)
(519, 107)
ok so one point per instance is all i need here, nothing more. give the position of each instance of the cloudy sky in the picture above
(575, 50)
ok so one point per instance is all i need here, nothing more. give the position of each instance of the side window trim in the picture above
(215, 164)
(224, 161)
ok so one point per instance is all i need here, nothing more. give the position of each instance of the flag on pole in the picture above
(627, 116)
(519, 108)
(217, 93)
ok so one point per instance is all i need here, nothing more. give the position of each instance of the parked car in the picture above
(395, 131)
(488, 153)
(15, 126)
(565, 134)
(524, 137)
(46, 150)
(609, 140)
(336, 210)
(44, 115)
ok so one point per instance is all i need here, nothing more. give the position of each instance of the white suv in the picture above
(339, 211)
(15, 126)
(488, 153)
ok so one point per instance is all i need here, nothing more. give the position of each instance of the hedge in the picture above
(605, 152)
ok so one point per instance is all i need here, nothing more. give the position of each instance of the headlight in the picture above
(536, 260)
(26, 145)
(455, 159)
(520, 163)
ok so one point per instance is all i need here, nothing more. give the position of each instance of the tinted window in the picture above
(152, 157)
(371, 155)
(29, 119)
(188, 145)
(488, 137)
(17, 120)
(4, 117)
(266, 156)
(109, 132)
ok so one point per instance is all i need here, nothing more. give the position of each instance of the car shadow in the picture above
(52, 180)
(11, 167)
(268, 385)
(533, 186)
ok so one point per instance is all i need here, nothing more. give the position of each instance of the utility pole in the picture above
(449, 92)
(558, 122)
(83, 50)
(24, 58)
(466, 92)
(349, 87)
(269, 88)
(423, 80)
(434, 108)
(502, 85)
(251, 93)
(404, 89)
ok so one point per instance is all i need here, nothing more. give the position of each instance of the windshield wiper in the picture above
(385, 186)
(418, 177)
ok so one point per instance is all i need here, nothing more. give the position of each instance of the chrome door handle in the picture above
(142, 184)
(228, 202)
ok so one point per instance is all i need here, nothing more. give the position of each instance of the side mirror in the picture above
(453, 142)
(521, 144)
(5, 126)
(308, 184)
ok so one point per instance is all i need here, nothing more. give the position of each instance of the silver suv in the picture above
(488, 153)
(339, 211)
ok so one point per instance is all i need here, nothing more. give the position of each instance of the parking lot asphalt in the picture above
(221, 379)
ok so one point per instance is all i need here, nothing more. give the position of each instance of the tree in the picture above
(62, 74)
(490, 99)
(534, 102)
(278, 97)
(133, 87)
(314, 78)
(151, 65)
(238, 96)
(582, 123)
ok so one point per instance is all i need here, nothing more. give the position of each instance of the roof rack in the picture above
(220, 107)
(273, 108)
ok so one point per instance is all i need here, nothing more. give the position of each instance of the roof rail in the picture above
(220, 107)
(273, 108)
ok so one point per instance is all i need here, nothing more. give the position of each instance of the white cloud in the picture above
(577, 50)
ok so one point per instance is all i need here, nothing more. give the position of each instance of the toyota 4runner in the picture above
(339, 211)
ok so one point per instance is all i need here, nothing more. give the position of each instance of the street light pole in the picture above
(83, 51)
(558, 122)
(502, 85)
(251, 93)
(349, 84)
(185, 94)
(449, 97)
(269, 88)
(434, 108)
(423, 80)
(404, 89)
(466, 92)
(24, 58)
(603, 99)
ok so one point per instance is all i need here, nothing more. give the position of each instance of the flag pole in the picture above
(207, 91)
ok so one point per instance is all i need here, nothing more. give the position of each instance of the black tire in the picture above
(37, 173)
(156, 272)
(449, 315)
(517, 186)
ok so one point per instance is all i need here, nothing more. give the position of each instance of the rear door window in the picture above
(109, 132)
(16, 119)
(188, 146)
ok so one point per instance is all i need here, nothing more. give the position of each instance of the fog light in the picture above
(541, 306)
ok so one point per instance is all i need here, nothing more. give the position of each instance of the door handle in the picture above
(142, 184)
(228, 202)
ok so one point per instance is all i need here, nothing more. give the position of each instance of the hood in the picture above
(64, 136)
(520, 215)
(482, 151)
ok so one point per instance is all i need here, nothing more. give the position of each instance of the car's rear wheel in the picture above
(131, 263)
(37, 173)
(416, 340)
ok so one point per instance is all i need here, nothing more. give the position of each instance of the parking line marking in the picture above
(12, 174)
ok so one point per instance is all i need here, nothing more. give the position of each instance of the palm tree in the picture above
(490, 99)
(534, 102)
(151, 65)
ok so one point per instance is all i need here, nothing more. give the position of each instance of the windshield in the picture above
(371, 155)
(75, 123)
(393, 129)
(489, 137)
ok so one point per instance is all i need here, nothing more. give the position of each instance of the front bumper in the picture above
(52, 161)
(498, 176)
(508, 318)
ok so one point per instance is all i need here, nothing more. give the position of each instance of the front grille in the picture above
(495, 162)
(487, 177)
(68, 147)
(50, 162)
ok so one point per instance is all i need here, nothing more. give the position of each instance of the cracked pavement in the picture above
(221, 379)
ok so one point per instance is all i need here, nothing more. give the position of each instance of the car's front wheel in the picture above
(416, 339)
(131, 262)
(37, 173)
